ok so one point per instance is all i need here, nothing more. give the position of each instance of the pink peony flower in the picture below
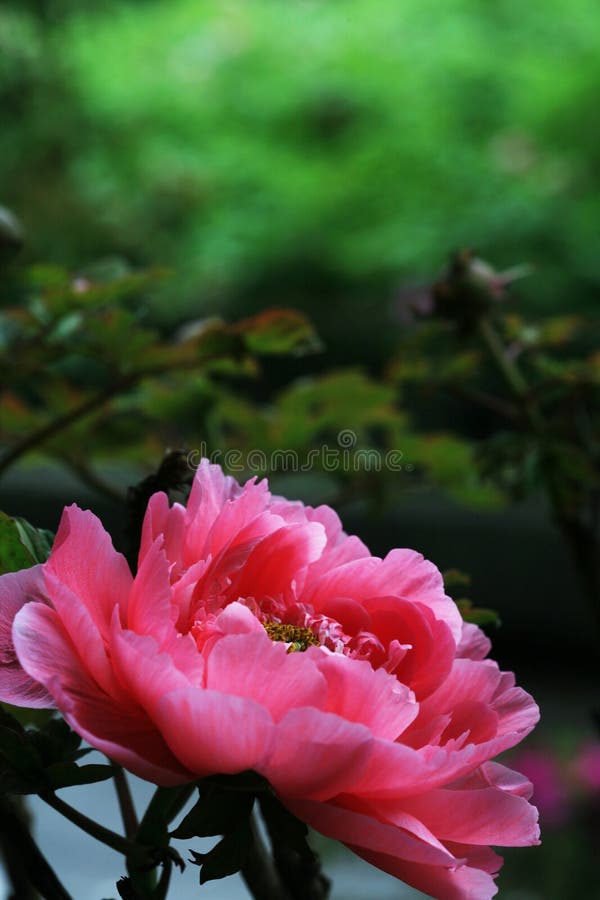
(377, 730)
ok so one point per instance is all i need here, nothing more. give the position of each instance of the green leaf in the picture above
(57, 742)
(67, 774)
(19, 754)
(279, 331)
(216, 812)
(38, 541)
(228, 856)
(14, 554)
(38, 760)
(477, 615)
(127, 890)
(290, 830)
(456, 578)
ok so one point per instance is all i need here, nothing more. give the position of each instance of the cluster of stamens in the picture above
(298, 637)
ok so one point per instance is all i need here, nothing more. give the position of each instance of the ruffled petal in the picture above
(411, 842)
(478, 816)
(275, 562)
(359, 693)
(16, 685)
(121, 730)
(317, 755)
(150, 609)
(458, 883)
(211, 732)
(474, 644)
(253, 666)
(84, 559)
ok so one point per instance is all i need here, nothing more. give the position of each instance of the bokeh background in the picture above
(328, 158)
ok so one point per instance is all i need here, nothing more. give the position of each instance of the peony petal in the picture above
(361, 694)
(84, 559)
(83, 634)
(461, 883)
(16, 686)
(368, 832)
(480, 816)
(474, 644)
(168, 522)
(211, 732)
(125, 735)
(407, 573)
(150, 606)
(45, 650)
(243, 519)
(481, 682)
(253, 666)
(429, 659)
(211, 489)
(275, 561)
(144, 671)
(120, 729)
(317, 755)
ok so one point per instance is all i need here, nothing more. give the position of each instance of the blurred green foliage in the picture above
(305, 152)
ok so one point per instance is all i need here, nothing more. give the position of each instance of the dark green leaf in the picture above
(477, 615)
(20, 755)
(38, 541)
(456, 578)
(216, 812)
(228, 856)
(67, 774)
(290, 830)
(14, 554)
(56, 742)
(126, 889)
(279, 331)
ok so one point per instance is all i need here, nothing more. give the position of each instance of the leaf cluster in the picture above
(36, 761)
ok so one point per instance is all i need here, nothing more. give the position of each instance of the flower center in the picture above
(296, 636)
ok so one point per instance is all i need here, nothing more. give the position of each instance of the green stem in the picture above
(91, 404)
(162, 887)
(153, 832)
(507, 366)
(166, 802)
(130, 822)
(102, 834)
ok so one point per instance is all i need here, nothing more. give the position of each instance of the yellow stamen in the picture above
(296, 636)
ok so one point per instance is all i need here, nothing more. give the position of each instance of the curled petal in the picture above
(211, 732)
(453, 883)
(84, 559)
(16, 685)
